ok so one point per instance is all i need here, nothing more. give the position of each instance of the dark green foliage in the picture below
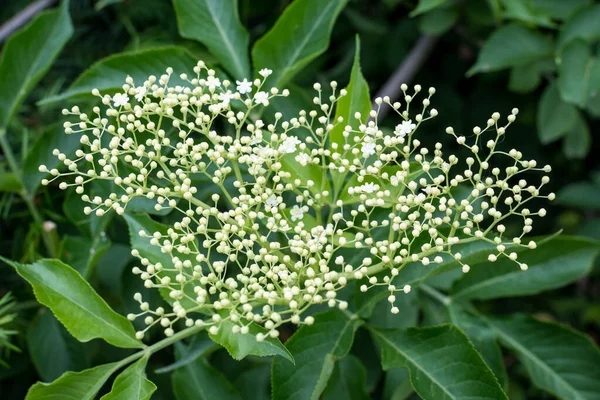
(494, 333)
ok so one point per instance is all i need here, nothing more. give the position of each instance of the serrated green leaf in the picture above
(511, 46)
(553, 264)
(443, 364)
(240, 346)
(578, 142)
(347, 381)
(300, 34)
(315, 349)
(426, 5)
(575, 63)
(555, 117)
(27, 56)
(216, 24)
(82, 385)
(200, 381)
(358, 99)
(483, 338)
(52, 350)
(558, 359)
(75, 303)
(132, 384)
(584, 25)
(109, 74)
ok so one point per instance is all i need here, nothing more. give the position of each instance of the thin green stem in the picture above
(25, 194)
(166, 342)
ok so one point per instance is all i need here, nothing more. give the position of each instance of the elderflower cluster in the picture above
(271, 218)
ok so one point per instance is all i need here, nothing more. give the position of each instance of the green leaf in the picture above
(582, 25)
(580, 195)
(9, 182)
(27, 56)
(524, 78)
(483, 338)
(593, 104)
(559, 9)
(74, 385)
(52, 350)
(200, 346)
(240, 346)
(216, 24)
(397, 384)
(358, 99)
(554, 116)
(578, 142)
(525, 12)
(315, 349)
(443, 364)
(108, 75)
(511, 46)
(347, 381)
(558, 359)
(199, 381)
(426, 5)
(438, 21)
(82, 254)
(575, 63)
(41, 154)
(132, 383)
(140, 222)
(300, 34)
(75, 303)
(553, 264)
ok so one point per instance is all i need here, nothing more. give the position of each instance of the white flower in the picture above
(212, 83)
(265, 72)
(303, 159)
(369, 188)
(261, 98)
(244, 86)
(141, 92)
(120, 99)
(272, 201)
(405, 128)
(225, 98)
(289, 145)
(368, 149)
(297, 213)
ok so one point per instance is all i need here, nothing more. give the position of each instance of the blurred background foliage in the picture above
(488, 55)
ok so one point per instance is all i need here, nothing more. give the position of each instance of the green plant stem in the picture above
(435, 294)
(25, 194)
(166, 342)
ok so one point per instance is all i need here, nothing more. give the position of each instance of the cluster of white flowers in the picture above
(274, 218)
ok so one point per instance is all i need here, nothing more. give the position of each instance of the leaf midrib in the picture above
(393, 345)
(228, 44)
(523, 349)
(305, 40)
